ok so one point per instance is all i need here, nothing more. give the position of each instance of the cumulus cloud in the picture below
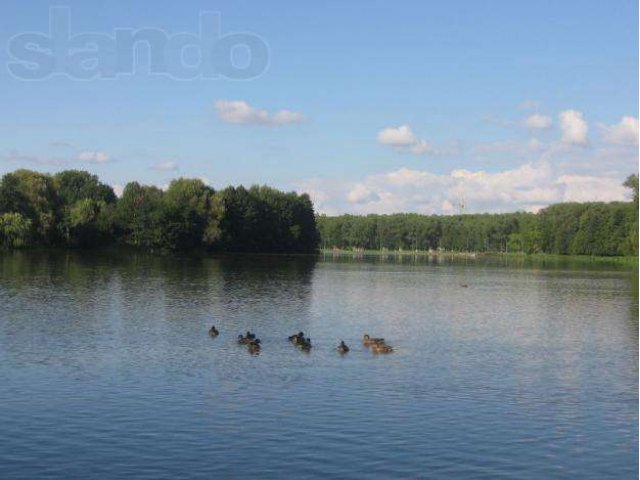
(527, 187)
(326, 194)
(427, 192)
(584, 188)
(623, 133)
(574, 128)
(537, 121)
(165, 166)
(240, 112)
(91, 156)
(402, 138)
(362, 194)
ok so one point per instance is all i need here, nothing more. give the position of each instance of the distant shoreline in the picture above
(619, 259)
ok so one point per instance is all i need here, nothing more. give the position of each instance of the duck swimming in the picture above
(213, 331)
(381, 348)
(296, 338)
(254, 345)
(244, 340)
(342, 348)
(368, 341)
(305, 344)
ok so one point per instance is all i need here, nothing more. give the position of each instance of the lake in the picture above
(107, 371)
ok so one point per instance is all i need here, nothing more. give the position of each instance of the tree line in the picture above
(593, 228)
(73, 208)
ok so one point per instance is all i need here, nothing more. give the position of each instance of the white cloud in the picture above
(403, 138)
(93, 156)
(584, 188)
(431, 193)
(323, 193)
(574, 127)
(528, 187)
(240, 112)
(165, 166)
(537, 121)
(624, 133)
(361, 194)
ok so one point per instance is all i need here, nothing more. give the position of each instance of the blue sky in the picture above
(375, 106)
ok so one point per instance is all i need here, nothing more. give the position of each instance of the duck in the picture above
(368, 341)
(464, 285)
(343, 348)
(213, 331)
(381, 348)
(250, 335)
(254, 345)
(244, 340)
(305, 344)
(296, 337)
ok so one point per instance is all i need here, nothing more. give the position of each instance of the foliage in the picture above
(32, 195)
(262, 217)
(632, 183)
(15, 230)
(74, 208)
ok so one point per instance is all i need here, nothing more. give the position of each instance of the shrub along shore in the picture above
(74, 209)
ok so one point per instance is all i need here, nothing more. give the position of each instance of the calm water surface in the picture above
(107, 371)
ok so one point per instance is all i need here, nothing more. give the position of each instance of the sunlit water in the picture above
(107, 371)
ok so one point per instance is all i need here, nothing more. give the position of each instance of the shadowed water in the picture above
(106, 368)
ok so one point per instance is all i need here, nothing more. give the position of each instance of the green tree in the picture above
(15, 230)
(33, 195)
(632, 183)
(139, 216)
(74, 185)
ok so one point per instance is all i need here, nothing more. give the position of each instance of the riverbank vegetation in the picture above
(73, 208)
(595, 228)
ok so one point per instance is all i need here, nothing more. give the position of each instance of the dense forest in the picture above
(567, 228)
(73, 208)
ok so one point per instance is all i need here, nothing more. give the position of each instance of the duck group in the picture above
(250, 340)
(376, 344)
